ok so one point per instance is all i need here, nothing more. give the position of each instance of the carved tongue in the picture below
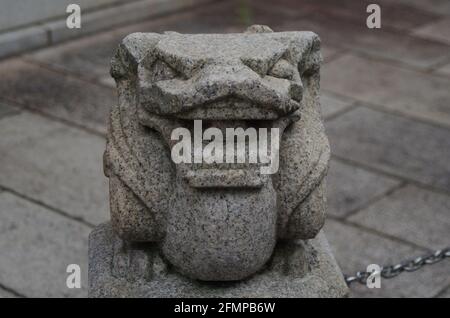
(220, 234)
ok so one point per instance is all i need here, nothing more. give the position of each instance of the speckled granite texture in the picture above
(180, 227)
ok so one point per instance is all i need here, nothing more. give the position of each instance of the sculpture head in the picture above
(216, 219)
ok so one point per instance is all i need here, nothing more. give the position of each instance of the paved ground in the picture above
(385, 98)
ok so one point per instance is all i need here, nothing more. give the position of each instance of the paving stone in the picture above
(395, 15)
(381, 43)
(390, 87)
(6, 110)
(329, 52)
(413, 214)
(439, 30)
(129, 12)
(219, 17)
(14, 16)
(56, 94)
(396, 145)
(350, 188)
(37, 245)
(444, 70)
(436, 6)
(24, 128)
(107, 81)
(332, 104)
(355, 248)
(22, 40)
(54, 164)
(401, 16)
(88, 57)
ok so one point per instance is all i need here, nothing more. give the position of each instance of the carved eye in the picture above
(282, 69)
(162, 71)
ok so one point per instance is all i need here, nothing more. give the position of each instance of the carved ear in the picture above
(304, 50)
(133, 49)
(258, 28)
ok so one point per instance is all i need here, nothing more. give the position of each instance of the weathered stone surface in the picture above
(350, 188)
(216, 17)
(54, 164)
(356, 248)
(413, 214)
(403, 91)
(36, 246)
(396, 145)
(214, 221)
(298, 269)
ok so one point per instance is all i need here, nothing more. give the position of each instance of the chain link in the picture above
(391, 271)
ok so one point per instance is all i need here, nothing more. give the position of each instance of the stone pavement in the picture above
(385, 99)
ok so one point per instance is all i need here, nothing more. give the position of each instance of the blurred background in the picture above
(385, 98)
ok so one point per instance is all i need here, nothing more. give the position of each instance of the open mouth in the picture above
(226, 153)
(224, 144)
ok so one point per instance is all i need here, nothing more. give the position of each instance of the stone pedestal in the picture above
(300, 269)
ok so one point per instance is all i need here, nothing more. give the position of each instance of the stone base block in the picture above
(297, 269)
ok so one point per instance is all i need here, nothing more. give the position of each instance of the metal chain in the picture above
(391, 271)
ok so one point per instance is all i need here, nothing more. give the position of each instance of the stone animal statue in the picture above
(210, 221)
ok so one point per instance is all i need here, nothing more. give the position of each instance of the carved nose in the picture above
(239, 77)
(241, 81)
(217, 82)
(227, 80)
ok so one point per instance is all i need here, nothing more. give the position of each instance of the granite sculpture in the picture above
(205, 228)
